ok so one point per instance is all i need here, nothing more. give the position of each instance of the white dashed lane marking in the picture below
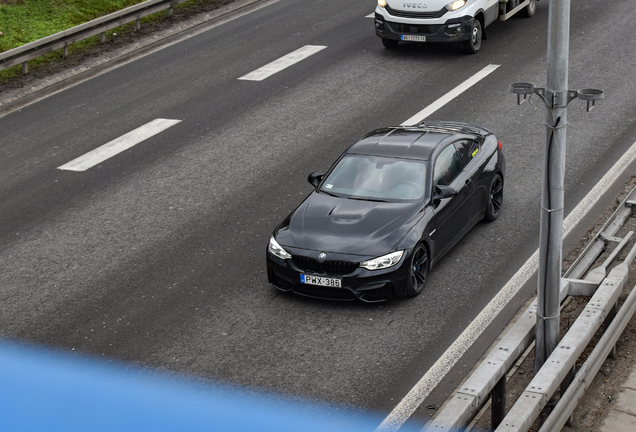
(118, 145)
(282, 63)
(451, 95)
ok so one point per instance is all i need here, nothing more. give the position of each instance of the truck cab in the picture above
(462, 21)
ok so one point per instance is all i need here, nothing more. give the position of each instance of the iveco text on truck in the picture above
(462, 21)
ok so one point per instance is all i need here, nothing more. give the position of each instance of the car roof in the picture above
(414, 142)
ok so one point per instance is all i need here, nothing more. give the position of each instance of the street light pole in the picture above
(551, 230)
(556, 98)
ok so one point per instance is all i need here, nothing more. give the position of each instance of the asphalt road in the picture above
(157, 255)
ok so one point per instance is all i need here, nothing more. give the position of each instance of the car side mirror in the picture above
(315, 178)
(442, 192)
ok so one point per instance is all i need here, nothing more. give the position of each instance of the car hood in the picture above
(349, 226)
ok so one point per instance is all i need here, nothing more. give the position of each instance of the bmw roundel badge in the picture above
(322, 256)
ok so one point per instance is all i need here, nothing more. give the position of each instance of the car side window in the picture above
(447, 166)
(467, 150)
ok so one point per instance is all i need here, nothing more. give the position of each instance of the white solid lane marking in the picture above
(118, 145)
(445, 363)
(450, 95)
(282, 63)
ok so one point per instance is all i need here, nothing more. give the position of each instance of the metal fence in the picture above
(99, 26)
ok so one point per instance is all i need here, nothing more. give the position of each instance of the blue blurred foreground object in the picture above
(46, 390)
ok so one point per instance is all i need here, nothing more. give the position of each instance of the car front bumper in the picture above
(360, 284)
(453, 30)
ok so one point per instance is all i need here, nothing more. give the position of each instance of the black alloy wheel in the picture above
(418, 271)
(495, 200)
(529, 10)
(472, 45)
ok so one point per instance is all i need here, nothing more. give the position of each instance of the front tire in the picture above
(418, 270)
(495, 199)
(529, 10)
(472, 45)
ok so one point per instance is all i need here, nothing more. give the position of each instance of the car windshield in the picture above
(377, 178)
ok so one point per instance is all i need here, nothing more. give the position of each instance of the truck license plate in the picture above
(413, 38)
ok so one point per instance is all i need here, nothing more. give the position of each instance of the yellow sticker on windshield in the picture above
(475, 152)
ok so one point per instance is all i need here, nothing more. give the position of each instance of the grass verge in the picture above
(25, 21)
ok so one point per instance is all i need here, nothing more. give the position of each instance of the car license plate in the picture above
(322, 281)
(413, 38)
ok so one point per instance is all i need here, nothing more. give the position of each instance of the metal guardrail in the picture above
(564, 408)
(562, 360)
(488, 380)
(99, 26)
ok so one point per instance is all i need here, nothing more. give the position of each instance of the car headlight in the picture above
(382, 3)
(457, 4)
(275, 249)
(383, 262)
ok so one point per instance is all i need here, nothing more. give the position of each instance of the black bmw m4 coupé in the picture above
(387, 210)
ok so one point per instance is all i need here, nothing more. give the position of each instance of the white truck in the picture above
(462, 21)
